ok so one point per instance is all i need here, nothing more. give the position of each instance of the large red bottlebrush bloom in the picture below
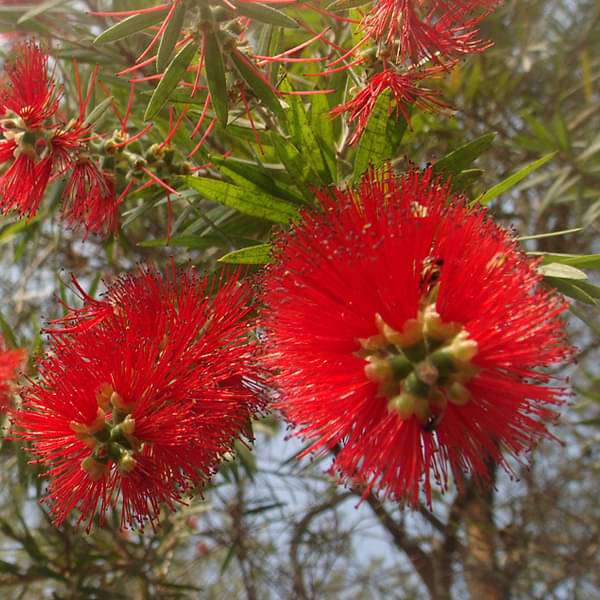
(10, 361)
(140, 395)
(428, 29)
(408, 331)
(404, 92)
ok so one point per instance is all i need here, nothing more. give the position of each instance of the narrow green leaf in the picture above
(574, 289)
(10, 231)
(465, 179)
(580, 261)
(381, 138)
(265, 14)
(194, 242)
(339, 5)
(463, 157)
(254, 255)
(539, 236)
(7, 334)
(562, 271)
(513, 180)
(169, 37)
(98, 111)
(297, 167)
(321, 123)
(129, 26)
(215, 76)
(39, 9)
(303, 135)
(258, 83)
(228, 558)
(254, 204)
(171, 77)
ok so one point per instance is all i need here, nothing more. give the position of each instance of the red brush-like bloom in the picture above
(428, 29)
(141, 395)
(409, 331)
(90, 200)
(404, 93)
(26, 103)
(10, 361)
(32, 93)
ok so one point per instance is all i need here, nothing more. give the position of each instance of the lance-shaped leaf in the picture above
(170, 36)
(248, 202)
(253, 255)
(303, 136)
(381, 138)
(129, 26)
(580, 261)
(40, 9)
(171, 77)
(98, 111)
(264, 14)
(463, 157)
(511, 181)
(258, 83)
(561, 270)
(215, 75)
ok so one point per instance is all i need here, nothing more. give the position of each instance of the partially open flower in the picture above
(407, 332)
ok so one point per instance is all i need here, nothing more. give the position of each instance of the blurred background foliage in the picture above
(270, 526)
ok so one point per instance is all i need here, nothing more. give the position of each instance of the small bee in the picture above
(432, 422)
(430, 274)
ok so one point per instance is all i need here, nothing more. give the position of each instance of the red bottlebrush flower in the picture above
(431, 29)
(10, 361)
(404, 92)
(26, 103)
(407, 330)
(141, 396)
(90, 199)
(31, 94)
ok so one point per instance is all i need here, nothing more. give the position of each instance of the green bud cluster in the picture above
(110, 439)
(422, 367)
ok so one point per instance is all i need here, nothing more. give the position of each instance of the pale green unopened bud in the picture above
(458, 394)
(434, 327)
(411, 332)
(378, 369)
(462, 348)
(403, 405)
(127, 463)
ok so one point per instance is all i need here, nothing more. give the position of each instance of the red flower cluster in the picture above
(35, 148)
(404, 93)
(428, 29)
(412, 33)
(408, 330)
(141, 395)
(10, 361)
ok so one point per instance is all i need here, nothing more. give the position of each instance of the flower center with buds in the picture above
(110, 436)
(15, 129)
(422, 367)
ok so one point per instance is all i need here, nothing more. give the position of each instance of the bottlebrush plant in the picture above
(381, 304)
